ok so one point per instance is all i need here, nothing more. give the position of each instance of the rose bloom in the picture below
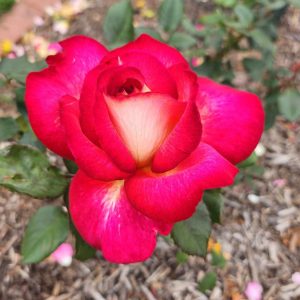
(147, 134)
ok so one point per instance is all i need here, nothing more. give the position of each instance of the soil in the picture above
(260, 234)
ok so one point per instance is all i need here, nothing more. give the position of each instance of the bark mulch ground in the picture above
(260, 234)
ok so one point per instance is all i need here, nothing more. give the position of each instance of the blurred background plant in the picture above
(6, 5)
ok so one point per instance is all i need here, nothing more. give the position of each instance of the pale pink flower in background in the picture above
(196, 61)
(11, 55)
(61, 26)
(19, 50)
(279, 182)
(63, 254)
(38, 21)
(199, 27)
(54, 48)
(254, 290)
(296, 277)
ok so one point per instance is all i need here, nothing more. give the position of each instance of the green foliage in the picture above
(250, 161)
(28, 171)
(208, 282)
(8, 128)
(289, 104)
(18, 68)
(295, 3)
(181, 257)
(218, 260)
(170, 14)
(6, 5)
(214, 203)
(192, 234)
(71, 166)
(46, 230)
(244, 14)
(118, 24)
(147, 30)
(83, 251)
(182, 40)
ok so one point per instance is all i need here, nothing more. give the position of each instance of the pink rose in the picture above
(147, 135)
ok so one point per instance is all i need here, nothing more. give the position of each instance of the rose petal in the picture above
(64, 76)
(186, 135)
(167, 55)
(232, 120)
(89, 158)
(143, 121)
(174, 195)
(107, 221)
(157, 77)
(110, 140)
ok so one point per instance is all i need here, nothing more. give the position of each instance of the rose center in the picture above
(129, 87)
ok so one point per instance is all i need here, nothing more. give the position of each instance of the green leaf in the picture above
(170, 14)
(6, 5)
(212, 19)
(29, 138)
(262, 40)
(275, 5)
(83, 251)
(295, 3)
(208, 282)
(18, 68)
(182, 41)
(71, 166)
(181, 257)
(192, 234)
(255, 68)
(190, 28)
(289, 104)
(150, 31)
(244, 15)
(8, 128)
(118, 23)
(250, 161)
(19, 98)
(46, 230)
(218, 260)
(28, 171)
(226, 3)
(214, 203)
(214, 39)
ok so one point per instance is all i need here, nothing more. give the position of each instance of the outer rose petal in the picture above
(173, 196)
(107, 221)
(64, 76)
(232, 120)
(186, 135)
(167, 55)
(89, 158)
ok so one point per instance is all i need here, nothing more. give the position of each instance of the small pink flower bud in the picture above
(254, 290)
(296, 277)
(63, 254)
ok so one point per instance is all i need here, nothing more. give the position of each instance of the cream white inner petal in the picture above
(143, 121)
